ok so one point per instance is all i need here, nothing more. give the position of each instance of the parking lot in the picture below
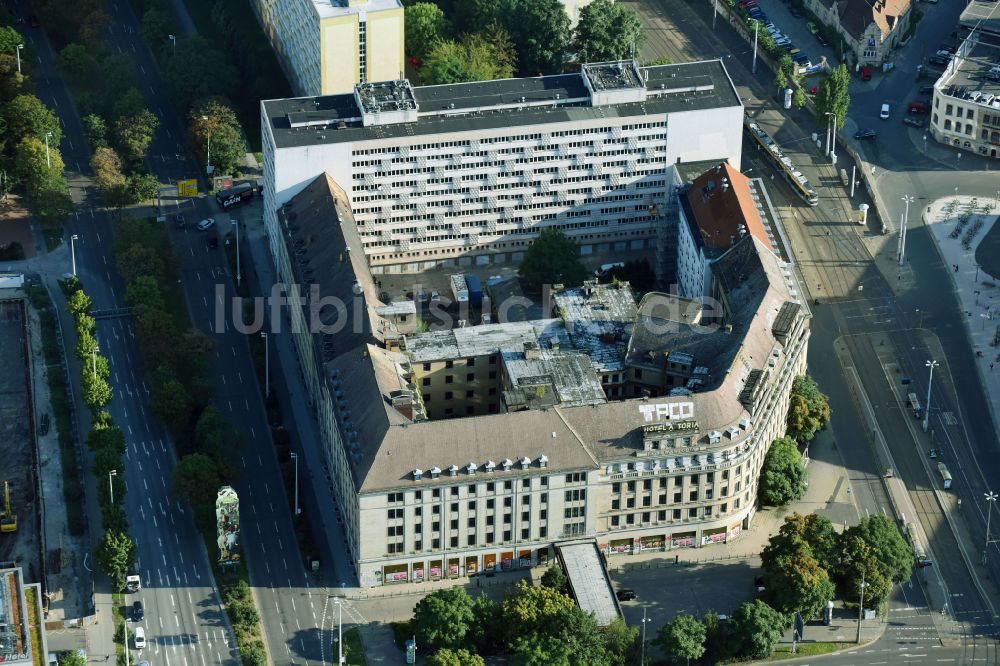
(780, 14)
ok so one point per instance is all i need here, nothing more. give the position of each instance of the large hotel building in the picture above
(637, 420)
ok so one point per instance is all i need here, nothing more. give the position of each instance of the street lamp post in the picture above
(208, 149)
(930, 380)
(902, 232)
(977, 274)
(72, 251)
(173, 40)
(236, 230)
(48, 162)
(976, 292)
(861, 606)
(111, 486)
(295, 457)
(267, 368)
(753, 68)
(17, 50)
(829, 117)
(991, 498)
(642, 660)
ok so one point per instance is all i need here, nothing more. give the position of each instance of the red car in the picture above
(747, 4)
(919, 107)
(866, 73)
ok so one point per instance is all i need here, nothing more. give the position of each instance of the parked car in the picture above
(866, 73)
(626, 595)
(206, 224)
(138, 614)
(179, 220)
(918, 107)
(938, 61)
(865, 134)
(213, 242)
(139, 638)
(884, 113)
(43, 425)
(913, 122)
(934, 454)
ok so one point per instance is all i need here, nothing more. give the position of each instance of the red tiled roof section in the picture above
(720, 200)
(856, 15)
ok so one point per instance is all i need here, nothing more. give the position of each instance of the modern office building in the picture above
(471, 172)
(965, 113)
(327, 47)
(640, 424)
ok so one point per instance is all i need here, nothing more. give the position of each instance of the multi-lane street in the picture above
(184, 620)
(871, 326)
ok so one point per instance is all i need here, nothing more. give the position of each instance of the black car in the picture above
(213, 242)
(795, 13)
(913, 122)
(137, 613)
(937, 61)
(626, 595)
(43, 425)
(822, 40)
(179, 220)
(866, 134)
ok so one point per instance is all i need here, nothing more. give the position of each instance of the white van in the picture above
(884, 115)
(139, 638)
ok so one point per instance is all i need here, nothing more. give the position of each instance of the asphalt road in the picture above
(856, 301)
(183, 617)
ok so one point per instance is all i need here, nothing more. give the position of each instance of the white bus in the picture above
(945, 475)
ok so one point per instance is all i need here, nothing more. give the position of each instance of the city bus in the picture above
(235, 195)
(945, 475)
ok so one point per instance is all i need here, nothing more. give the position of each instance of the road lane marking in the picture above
(240, 375)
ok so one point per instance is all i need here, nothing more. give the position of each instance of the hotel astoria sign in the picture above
(668, 417)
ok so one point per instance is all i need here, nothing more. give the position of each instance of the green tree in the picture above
(623, 643)
(127, 103)
(96, 131)
(133, 134)
(76, 62)
(196, 70)
(813, 531)
(756, 629)
(860, 564)
(538, 649)
(9, 39)
(482, 633)
(213, 117)
(253, 653)
(143, 293)
(797, 582)
(26, 116)
(142, 187)
(157, 335)
(474, 58)
(115, 554)
(608, 31)
(196, 482)
(718, 647)
(155, 26)
(110, 437)
(808, 409)
(96, 390)
(425, 26)
(888, 545)
(780, 79)
(468, 16)
(460, 657)
(171, 402)
(540, 30)
(833, 97)
(139, 260)
(108, 177)
(682, 638)
(36, 165)
(799, 98)
(782, 476)
(443, 618)
(529, 609)
(555, 578)
(553, 257)
(78, 303)
(72, 658)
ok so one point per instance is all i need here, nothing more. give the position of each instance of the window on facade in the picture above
(678, 497)
(677, 514)
(615, 520)
(426, 381)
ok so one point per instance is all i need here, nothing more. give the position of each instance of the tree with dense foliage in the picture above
(472, 58)
(9, 39)
(96, 390)
(813, 530)
(26, 116)
(76, 62)
(425, 26)
(833, 97)
(109, 437)
(170, 401)
(883, 537)
(36, 166)
(196, 70)
(214, 118)
(783, 475)
(606, 31)
(540, 30)
(539, 649)
(142, 186)
(797, 582)
(133, 134)
(115, 554)
(72, 658)
(529, 608)
(552, 258)
(623, 643)
(808, 409)
(196, 483)
(96, 131)
(139, 260)
(79, 303)
(443, 618)
(756, 629)
(860, 563)
(780, 79)
(482, 635)
(682, 638)
(799, 98)
(459, 657)
(555, 578)
(718, 647)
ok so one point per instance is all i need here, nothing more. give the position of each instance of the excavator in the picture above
(8, 521)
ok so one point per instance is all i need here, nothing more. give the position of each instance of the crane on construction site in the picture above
(8, 521)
